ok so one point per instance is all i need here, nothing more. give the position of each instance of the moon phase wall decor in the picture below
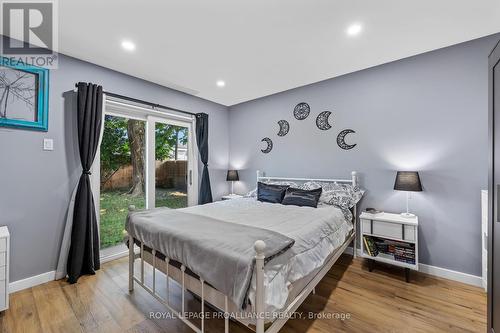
(341, 139)
(301, 111)
(322, 121)
(284, 127)
(269, 147)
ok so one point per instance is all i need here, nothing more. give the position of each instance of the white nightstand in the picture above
(397, 236)
(231, 196)
(4, 268)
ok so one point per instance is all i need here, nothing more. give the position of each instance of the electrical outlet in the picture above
(48, 144)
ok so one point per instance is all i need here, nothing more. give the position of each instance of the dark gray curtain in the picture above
(83, 255)
(205, 195)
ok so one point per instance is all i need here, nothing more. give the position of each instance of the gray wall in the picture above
(425, 113)
(35, 185)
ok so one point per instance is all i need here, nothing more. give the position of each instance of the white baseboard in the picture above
(470, 279)
(31, 281)
(114, 256)
(473, 280)
(51, 276)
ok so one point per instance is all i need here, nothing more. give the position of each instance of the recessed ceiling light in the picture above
(221, 83)
(354, 29)
(128, 45)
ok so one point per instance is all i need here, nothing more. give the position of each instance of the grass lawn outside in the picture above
(114, 210)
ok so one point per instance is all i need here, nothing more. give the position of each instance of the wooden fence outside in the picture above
(169, 174)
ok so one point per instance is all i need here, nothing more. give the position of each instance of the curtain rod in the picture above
(140, 101)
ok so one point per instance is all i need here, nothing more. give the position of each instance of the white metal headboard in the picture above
(353, 180)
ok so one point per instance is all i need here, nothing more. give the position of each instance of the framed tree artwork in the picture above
(24, 95)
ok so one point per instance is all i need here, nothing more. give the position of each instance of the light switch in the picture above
(48, 144)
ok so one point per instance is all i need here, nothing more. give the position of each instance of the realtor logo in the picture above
(32, 28)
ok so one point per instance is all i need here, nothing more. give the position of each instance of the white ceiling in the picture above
(261, 47)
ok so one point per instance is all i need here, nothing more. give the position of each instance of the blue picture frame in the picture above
(40, 96)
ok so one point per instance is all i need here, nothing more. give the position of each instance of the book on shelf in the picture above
(389, 249)
(367, 248)
(370, 246)
(405, 260)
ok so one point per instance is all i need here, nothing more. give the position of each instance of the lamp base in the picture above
(407, 215)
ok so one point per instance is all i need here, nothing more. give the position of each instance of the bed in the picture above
(279, 280)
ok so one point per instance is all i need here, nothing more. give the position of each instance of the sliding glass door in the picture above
(122, 177)
(146, 159)
(172, 182)
(171, 165)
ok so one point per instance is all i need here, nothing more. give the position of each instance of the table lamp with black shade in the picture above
(232, 176)
(408, 181)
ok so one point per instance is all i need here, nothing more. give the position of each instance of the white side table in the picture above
(395, 229)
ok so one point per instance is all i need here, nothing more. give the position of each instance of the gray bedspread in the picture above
(221, 253)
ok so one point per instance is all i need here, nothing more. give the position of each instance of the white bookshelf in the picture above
(392, 227)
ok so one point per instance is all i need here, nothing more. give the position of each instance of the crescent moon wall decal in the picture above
(322, 121)
(269, 147)
(341, 139)
(284, 127)
(301, 111)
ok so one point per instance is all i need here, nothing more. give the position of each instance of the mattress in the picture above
(317, 232)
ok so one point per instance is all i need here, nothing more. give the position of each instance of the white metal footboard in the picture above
(218, 299)
(188, 283)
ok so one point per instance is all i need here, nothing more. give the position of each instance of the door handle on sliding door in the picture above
(495, 202)
(190, 177)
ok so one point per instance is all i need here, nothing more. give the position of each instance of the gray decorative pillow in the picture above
(342, 195)
(300, 197)
(356, 194)
(270, 193)
(326, 186)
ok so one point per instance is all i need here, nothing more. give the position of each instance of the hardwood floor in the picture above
(380, 301)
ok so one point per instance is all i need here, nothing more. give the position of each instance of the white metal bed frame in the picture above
(215, 297)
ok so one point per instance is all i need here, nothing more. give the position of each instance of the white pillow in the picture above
(251, 194)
